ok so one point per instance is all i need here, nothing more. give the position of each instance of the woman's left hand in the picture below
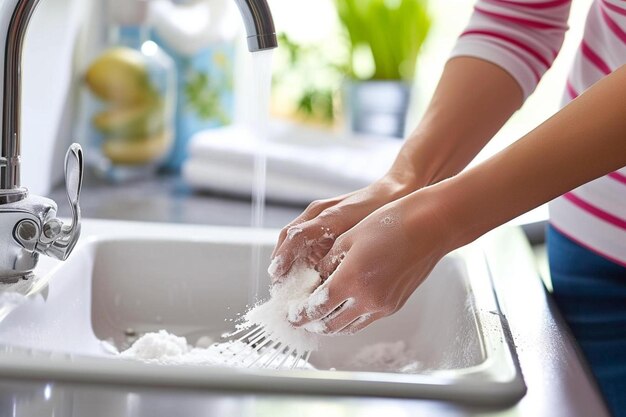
(373, 268)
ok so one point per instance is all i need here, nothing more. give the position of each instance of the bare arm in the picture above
(473, 100)
(388, 255)
(585, 140)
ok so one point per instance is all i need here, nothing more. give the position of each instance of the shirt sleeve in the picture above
(521, 36)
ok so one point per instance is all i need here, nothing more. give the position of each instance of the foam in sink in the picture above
(164, 348)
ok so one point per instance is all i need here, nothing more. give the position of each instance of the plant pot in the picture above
(377, 107)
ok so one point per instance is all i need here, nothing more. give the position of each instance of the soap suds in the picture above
(157, 346)
(388, 357)
(318, 298)
(311, 306)
(275, 265)
(14, 294)
(11, 299)
(163, 348)
(204, 342)
(297, 292)
(317, 327)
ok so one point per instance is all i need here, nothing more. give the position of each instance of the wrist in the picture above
(397, 183)
(426, 158)
(449, 209)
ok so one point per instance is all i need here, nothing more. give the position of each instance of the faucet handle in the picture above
(74, 166)
(58, 239)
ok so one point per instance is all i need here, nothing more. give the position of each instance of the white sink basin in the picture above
(188, 280)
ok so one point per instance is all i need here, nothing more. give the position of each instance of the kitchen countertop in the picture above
(558, 381)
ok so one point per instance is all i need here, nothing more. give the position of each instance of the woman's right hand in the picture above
(310, 236)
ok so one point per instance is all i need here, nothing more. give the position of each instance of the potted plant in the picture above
(389, 34)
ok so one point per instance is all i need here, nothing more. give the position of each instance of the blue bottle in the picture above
(194, 35)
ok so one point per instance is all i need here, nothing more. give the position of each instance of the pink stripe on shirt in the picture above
(523, 37)
(613, 26)
(537, 5)
(613, 7)
(518, 20)
(594, 58)
(512, 41)
(618, 177)
(595, 211)
(570, 90)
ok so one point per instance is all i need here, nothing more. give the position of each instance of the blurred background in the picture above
(170, 107)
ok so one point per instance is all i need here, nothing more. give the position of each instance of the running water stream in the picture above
(258, 123)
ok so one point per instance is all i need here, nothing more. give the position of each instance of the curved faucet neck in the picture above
(257, 18)
(10, 150)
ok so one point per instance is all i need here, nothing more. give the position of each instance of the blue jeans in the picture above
(590, 291)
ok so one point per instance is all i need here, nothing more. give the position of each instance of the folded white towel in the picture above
(303, 164)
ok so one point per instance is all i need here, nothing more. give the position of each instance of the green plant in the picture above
(308, 78)
(393, 31)
(203, 97)
(203, 93)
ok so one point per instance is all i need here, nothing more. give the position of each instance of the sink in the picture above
(125, 279)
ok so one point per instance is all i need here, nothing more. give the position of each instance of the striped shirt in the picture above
(524, 37)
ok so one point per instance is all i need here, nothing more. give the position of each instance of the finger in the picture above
(325, 299)
(342, 317)
(309, 243)
(281, 265)
(286, 232)
(311, 212)
(359, 324)
(275, 269)
(297, 246)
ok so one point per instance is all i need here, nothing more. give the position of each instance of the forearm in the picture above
(584, 141)
(474, 98)
(472, 101)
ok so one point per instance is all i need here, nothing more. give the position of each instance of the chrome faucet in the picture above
(257, 18)
(28, 224)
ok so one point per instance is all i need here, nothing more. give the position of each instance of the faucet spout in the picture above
(257, 18)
